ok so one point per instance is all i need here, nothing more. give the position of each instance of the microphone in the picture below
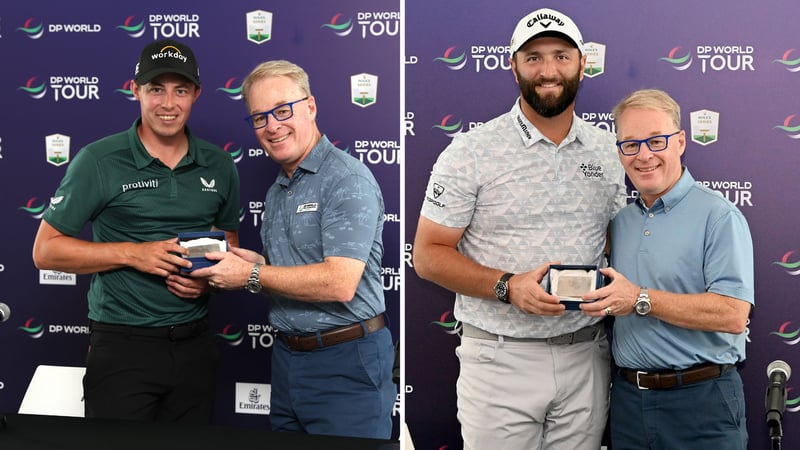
(5, 312)
(778, 373)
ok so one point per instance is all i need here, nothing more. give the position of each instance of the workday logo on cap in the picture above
(166, 56)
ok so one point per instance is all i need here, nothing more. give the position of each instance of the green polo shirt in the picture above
(129, 196)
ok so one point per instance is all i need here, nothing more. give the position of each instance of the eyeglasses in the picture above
(654, 143)
(280, 113)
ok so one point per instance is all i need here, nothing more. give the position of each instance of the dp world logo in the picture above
(450, 126)
(448, 323)
(234, 92)
(792, 65)
(452, 61)
(134, 30)
(791, 131)
(33, 331)
(339, 26)
(231, 336)
(236, 153)
(33, 89)
(36, 211)
(31, 30)
(678, 62)
(126, 91)
(792, 404)
(791, 267)
(789, 338)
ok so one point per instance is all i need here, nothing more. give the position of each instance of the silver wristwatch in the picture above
(254, 283)
(642, 305)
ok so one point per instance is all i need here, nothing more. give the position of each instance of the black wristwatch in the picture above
(501, 288)
(254, 283)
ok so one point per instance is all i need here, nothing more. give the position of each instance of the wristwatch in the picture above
(501, 288)
(642, 305)
(253, 283)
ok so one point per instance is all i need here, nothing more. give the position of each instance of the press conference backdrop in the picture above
(65, 81)
(733, 66)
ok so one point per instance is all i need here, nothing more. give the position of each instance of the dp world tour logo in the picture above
(34, 90)
(791, 267)
(449, 126)
(339, 26)
(789, 338)
(31, 30)
(230, 336)
(792, 404)
(792, 65)
(33, 331)
(36, 211)
(451, 61)
(134, 30)
(791, 131)
(236, 153)
(678, 62)
(126, 91)
(234, 92)
(448, 323)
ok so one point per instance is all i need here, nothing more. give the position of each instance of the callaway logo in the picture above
(549, 17)
(208, 186)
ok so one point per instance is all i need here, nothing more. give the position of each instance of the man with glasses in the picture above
(321, 266)
(152, 356)
(681, 291)
(530, 188)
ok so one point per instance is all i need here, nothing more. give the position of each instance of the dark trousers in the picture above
(150, 378)
(344, 390)
(705, 415)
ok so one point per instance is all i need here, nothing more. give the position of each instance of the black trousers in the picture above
(144, 374)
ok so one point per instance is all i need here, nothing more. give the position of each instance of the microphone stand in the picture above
(775, 435)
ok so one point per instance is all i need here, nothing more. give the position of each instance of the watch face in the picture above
(642, 308)
(501, 291)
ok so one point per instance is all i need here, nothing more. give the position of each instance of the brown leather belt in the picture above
(672, 378)
(334, 336)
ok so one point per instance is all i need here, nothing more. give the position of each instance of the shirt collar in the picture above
(531, 135)
(671, 199)
(312, 162)
(143, 159)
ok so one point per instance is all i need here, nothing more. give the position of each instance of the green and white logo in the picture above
(259, 26)
(364, 89)
(57, 149)
(705, 126)
(595, 59)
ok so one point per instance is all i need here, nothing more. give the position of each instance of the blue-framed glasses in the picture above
(631, 147)
(280, 113)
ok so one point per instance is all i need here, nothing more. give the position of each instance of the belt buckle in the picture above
(638, 382)
(564, 339)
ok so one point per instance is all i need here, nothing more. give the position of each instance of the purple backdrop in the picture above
(66, 75)
(733, 67)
